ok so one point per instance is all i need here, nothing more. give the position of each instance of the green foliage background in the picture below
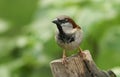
(27, 35)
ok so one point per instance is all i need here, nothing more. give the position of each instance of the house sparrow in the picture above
(69, 34)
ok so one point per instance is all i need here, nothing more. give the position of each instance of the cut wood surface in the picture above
(78, 66)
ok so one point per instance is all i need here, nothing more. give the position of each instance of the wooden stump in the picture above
(78, 66)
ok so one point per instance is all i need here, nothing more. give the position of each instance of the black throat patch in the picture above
(66, 38)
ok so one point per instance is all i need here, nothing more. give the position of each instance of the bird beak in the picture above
(55, 21)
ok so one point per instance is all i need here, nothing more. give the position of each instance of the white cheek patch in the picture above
(67, 27)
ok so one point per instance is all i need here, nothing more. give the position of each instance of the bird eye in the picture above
(66, 19)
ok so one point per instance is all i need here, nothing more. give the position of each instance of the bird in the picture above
(68, 35)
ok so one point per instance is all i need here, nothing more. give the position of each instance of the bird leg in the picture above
(64, 61)
(80, 52)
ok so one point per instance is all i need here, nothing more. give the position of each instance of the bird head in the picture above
(65, 23)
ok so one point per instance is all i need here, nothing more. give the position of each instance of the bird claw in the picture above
(81, 53)
(64, 60)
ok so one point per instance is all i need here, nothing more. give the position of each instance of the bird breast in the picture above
(70, 45)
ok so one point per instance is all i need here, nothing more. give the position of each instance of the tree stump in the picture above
(78, 66)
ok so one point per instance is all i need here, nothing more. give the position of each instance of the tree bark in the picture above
(79, 65)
